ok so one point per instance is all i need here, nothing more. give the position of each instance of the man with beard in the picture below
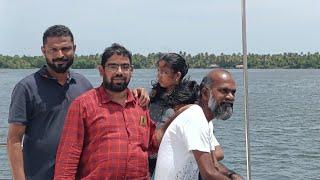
(38, 107)
(107, 135)
(188, 144)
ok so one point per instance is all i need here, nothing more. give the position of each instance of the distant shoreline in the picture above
(201, 60)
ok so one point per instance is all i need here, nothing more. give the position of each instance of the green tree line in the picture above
(201, 60)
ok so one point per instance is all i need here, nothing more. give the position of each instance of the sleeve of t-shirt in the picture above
(87, 83)
(196, 130)
(19, 104)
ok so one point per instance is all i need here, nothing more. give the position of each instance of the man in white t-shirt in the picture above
(188, 144)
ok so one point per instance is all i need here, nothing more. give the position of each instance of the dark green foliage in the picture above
(201, 60)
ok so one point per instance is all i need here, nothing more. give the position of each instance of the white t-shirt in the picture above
(214, 141)
(189, 131)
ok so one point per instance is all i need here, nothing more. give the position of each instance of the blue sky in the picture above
(145, 26)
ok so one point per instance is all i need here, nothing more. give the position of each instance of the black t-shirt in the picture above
(40, 103)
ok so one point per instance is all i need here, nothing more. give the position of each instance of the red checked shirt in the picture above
(104, 140)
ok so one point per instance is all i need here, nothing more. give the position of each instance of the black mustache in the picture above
(63, 59)
(227, 104)
(118, 77)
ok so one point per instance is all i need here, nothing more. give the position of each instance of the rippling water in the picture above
(284, 108)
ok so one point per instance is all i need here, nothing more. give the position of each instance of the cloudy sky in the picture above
(145, 26)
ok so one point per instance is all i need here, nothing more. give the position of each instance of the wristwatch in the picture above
(230, 173)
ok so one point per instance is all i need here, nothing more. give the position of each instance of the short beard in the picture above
(60, 68)
(222, 111)
(119, 87)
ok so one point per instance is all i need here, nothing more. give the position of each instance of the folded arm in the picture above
(223, 169)
(207, 167)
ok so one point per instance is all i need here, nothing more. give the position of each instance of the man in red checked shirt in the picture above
(107, 135)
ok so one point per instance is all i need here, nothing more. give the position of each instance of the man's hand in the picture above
(142, 95)
(236, 177)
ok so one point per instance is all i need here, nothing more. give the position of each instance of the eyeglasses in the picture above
(115, 67)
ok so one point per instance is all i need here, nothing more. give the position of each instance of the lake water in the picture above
(284, 108)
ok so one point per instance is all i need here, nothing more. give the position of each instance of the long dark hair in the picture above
(175, 62)
(184, 93)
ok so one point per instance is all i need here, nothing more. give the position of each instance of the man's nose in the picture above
(119, 70)
(60, 53)
(230, 96)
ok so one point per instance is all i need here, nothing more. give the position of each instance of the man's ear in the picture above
(205, 94)
(43, 50)
(131, 69)
(101, 70)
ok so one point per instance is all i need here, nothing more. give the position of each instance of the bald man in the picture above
(188, 144)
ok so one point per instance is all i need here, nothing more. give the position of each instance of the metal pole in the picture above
(245, 83)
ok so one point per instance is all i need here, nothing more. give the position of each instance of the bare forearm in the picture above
(15, 157)
(212, 176)
(207, 167)
(224, 170)
(159, 135)
(160, 131)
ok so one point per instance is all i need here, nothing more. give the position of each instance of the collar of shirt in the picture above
(44, 73)
(105, 99)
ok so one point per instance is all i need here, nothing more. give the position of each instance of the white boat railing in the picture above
(245, 84)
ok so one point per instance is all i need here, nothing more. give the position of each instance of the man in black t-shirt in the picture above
(38, 107)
